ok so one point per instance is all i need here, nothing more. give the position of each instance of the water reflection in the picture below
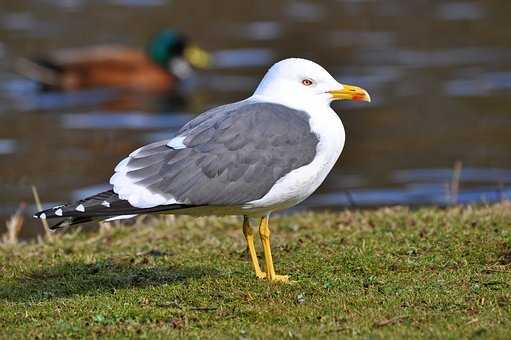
(480, 84)
(439, 73)
(413, 196)
(126, 120)
(248, 57)
(436, 58)
(260, 30)
(460, 11)
(444, 175)
(28, 98)
(7, 146)
(305, 11)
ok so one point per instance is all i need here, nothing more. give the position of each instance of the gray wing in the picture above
(229, 156)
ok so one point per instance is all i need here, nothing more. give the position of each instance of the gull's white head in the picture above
(296, 81)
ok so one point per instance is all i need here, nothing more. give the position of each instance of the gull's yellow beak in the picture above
(197, 57)
(349, 92)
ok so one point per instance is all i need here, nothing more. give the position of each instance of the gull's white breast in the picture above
(302, 182)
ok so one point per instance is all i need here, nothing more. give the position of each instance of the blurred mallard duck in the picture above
(168, 58)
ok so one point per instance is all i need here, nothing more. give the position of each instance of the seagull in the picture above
(250, 158)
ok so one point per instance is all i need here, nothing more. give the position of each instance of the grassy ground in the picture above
(377, 274)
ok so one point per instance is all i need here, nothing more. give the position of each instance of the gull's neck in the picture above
(303, 104)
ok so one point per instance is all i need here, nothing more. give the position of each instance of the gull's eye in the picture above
(307, 82)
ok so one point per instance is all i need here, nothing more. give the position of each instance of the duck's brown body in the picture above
(99, 66)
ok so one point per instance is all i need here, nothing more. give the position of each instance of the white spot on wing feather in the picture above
(42, 216)
(80, 208)
(176, 143)
(58, 212)
(105, 204)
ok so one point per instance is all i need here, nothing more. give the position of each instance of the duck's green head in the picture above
(169, 45)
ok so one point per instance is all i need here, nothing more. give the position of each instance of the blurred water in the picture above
(439, 73)
(126, 120)
(7, 146)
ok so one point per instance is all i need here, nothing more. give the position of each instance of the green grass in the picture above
(387, 273)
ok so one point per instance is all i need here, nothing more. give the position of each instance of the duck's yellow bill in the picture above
(197, 57)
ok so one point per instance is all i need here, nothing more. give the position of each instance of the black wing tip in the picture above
(44, 214)
(83, 211)
(40, 215)
(64, 222)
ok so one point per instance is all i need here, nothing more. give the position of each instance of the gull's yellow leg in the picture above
(249, 237)
(264, 233)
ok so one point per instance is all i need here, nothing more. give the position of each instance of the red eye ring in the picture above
(307, 82)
